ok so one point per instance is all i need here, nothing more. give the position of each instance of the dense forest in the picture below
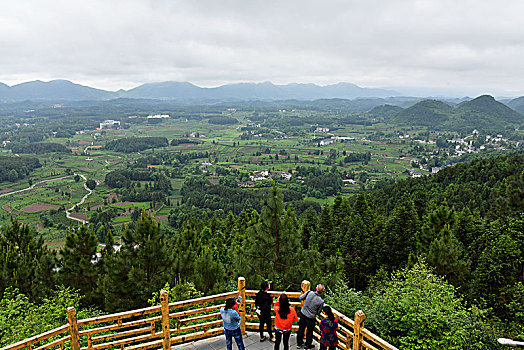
(136, 144)
(39, 148)
(14, 168)
(445, 250)
(139, 185)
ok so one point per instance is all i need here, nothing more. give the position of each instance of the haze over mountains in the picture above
(64, 90)
(443, 114)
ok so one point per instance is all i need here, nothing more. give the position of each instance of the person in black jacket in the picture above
(263, 304)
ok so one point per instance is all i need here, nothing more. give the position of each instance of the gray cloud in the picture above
(471, 46)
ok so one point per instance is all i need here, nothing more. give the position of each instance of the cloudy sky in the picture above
(447, 45)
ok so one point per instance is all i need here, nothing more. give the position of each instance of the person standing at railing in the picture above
(328, 330)
(231, 320)
(312, 307)
(263, 302)
(285, 316)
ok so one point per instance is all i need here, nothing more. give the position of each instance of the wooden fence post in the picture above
(164, 305)
(305, 286)
(359, 324)
(73, 328)
(242, 306)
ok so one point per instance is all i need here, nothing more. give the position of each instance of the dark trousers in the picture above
(265, 319)
(323, 347)
(303, 324)
(237, 334)
(279, 335)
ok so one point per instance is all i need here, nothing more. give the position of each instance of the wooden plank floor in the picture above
(251, 342)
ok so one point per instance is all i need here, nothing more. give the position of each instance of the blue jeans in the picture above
(237, 334)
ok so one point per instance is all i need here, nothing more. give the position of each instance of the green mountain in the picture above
(384, 111)
(430, 113)
(517, 104)
(482, 113)
(486, 113)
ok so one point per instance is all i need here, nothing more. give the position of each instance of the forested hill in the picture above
(492, 186)
(482, 113)
(424, 113)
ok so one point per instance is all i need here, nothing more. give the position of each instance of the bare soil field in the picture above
(39, 206)
(80, 216)
(8, 209)
(123, 203)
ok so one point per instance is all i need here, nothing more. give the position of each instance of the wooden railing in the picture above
(168, 324)
(350, 337)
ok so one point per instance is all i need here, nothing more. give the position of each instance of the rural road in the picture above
(33, 185)
(68, 211)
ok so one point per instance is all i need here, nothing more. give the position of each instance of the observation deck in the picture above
(251, 342)
(185, 324)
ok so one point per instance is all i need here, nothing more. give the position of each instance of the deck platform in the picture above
(251, 342)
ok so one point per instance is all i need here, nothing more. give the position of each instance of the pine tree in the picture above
(26, 263)
(144, 262)
(78, 260)
(271, 250)
(441, 218)
(309, 227)
(500, 264)
(188, 246)
(341, 213)
(323, 237)
(147, 253)
(446, 255)
(209, 275)
(399, 234)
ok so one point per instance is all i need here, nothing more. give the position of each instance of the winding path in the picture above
(68, 211)
(33, 185)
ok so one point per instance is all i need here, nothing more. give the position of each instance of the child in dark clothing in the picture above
(328, 330)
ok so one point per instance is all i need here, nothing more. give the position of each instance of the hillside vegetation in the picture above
(452, 243)
(483, 113)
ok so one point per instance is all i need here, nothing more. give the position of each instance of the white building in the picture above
(326, 142)
(110, 124)
(158, 116)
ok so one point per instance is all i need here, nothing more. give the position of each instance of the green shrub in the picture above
(415, 309)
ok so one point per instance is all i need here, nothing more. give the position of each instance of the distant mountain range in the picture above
(64, 90)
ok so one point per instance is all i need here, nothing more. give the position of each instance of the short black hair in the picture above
(264, 285)
(230, 302)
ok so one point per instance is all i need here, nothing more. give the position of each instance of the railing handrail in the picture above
(274, 293)
(119, 315)
(206, 318)
(36, 338)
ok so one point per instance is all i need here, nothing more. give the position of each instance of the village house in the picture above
(110, 124)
